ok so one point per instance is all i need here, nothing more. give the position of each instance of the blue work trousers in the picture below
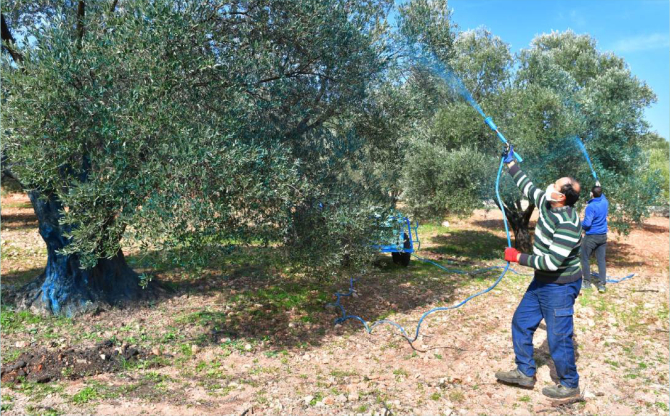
(555, 304)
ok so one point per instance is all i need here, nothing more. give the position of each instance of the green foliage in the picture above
(438, 180)
(195, 129)
(657, 150)
(428, 23)
(562, 88)
(187, 128)
(85, 395)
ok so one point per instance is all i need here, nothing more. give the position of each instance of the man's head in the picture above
(566, 192)
(596, 191)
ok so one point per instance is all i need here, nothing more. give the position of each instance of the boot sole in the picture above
(517, 383)
(571, 396)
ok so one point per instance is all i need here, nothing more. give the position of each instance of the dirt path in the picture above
(243, 339)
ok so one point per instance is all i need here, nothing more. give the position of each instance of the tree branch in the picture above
(9, 45)
(81, 10)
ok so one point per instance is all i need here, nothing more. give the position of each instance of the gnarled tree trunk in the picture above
(519, 220)
(64, 288)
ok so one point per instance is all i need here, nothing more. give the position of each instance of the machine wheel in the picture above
(404, 258)
(396, 257)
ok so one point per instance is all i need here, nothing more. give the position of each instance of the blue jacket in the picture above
(595, 217)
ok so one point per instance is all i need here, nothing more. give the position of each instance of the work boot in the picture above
(586, 285)
(515, 377)
(601, 288)
(559, 391)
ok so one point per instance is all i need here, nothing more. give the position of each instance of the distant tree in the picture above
(562, 88)
(657, 149)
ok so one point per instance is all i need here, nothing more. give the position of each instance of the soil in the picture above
(43, 365)
(244, 338)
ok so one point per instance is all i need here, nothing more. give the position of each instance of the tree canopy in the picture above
(542, 98)
(191, 123)
(191, 127)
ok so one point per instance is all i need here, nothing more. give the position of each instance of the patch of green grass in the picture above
(11, 354)
(435, 396)
(42, 411)
(204, 318)
(168, 337)
(362, 408)
(13, 321)
(524, 398)
(400, 372)
(186, 350)
(438, 356)
(263, 370)
(663, 313)
(261, 398)
(159, 361)
(303, 297)
(271, 353)
(612, 363)
(156, 377)
(15, 204)
(16, 321)
(662, 406)
(38, 391)
(343, 373)
(456, 396)
(318, 396)
(85, 395)
(6, 403)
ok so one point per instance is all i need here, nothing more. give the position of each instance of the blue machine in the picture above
(403, 239)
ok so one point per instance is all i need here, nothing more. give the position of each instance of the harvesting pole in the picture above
(489, 122)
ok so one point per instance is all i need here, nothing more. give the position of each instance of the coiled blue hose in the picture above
(506, 268)
(370, 327)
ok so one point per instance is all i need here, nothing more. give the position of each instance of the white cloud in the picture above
(642, 43)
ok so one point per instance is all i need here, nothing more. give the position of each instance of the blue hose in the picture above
(506, 268)
(613, 280)
(370, 327)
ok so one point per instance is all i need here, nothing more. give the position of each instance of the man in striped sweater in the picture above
(557, 282)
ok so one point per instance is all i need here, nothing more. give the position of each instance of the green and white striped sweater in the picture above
(558, 236)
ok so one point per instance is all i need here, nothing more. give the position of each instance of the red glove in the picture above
(512, 255)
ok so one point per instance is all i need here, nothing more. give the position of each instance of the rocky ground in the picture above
(244, 338)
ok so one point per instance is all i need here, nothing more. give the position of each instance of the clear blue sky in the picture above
(637, 30)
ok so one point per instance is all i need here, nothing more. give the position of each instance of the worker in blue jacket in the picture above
(595, 239)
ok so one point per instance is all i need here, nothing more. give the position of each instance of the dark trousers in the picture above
(594, 243)
(555, 304)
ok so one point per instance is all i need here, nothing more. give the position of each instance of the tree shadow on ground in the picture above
(256, 301)
(620, 255)
(654, 229)
(542, 356)
(245, 296)
(16, 279)
(475, 245)
(19, 221)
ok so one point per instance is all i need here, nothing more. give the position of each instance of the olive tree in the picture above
(562, 88)
(184, 127)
